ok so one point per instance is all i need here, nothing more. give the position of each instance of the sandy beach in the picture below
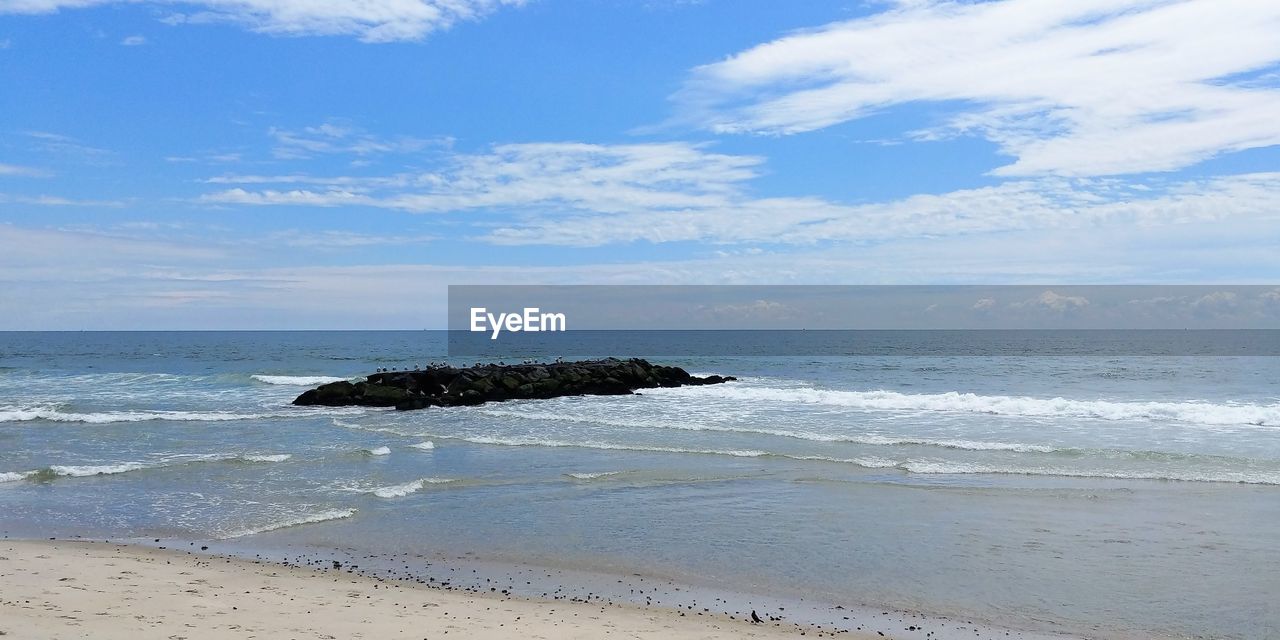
(61, 589)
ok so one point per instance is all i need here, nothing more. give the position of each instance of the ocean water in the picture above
(1098, 495)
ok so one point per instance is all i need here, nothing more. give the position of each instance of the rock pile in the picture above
(451, 386)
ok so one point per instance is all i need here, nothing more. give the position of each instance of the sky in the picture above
(324, 164)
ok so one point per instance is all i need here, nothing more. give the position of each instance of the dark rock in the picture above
(450, 386)
(334, 394)
(381, 395)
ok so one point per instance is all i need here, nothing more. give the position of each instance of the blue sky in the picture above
(327, 164)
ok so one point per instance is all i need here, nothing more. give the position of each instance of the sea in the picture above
(1094, 495)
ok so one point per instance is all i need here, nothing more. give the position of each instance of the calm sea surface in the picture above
(1099, 494)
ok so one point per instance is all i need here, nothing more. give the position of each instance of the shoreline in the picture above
(67, 589)
(61, 588)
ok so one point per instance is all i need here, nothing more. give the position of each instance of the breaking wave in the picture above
(530, 442)
(303, 381)
(401, 490)
(1193, 412)
(12, 414)
(80, 471)
(870, 439)
(55, 471)
(592, 476)
(54, 414)
(1188, 475)
(323, 516)
(279, 457)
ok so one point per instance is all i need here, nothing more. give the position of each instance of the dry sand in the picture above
(103, 590)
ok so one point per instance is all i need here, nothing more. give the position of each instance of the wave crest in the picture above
(871, 439)
(55, 471)
(1193, 412)
(401, 490)
(53, 414)
(304, 381)
(592, 476)
(961, 468)
(332, 514)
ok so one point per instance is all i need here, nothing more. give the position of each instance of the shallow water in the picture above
(1093, 494)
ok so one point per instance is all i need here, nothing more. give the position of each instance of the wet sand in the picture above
(71, 589)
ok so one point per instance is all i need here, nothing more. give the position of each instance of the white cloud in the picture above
(575, 194)
(339, 138)
(1087, 87)
(602, 179)
(207, 158)
(768, 311)
(368, 20)
(341, 239)
(69, 147)
(134, 41)
(21, 171)
(1023, 205)
(1053, 301)
(58, 201)
(1216, 299)
(31, 254)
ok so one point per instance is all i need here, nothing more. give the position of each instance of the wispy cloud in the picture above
(1021, 205)
(23, 172)
(368, 20)
(134, 41)
(69, 147)
(544, 176)
(59, 201)
(207, 158)
(1053, 301)
(1088, 87)
(339, 138)
(575, 194)
(341, 239)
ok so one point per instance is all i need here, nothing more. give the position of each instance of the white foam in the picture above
(80, 471)
(593, 476)
(358, 427)
(962, 468)
(967, 445)
(85, 471)
(871, 439)
(23, 414)
(401, 490)
(333, 514)
(531, 442)
(304, 381)
(10, 476)
(279, 457)
(870, 462)
(1195, 412)
(424, 446)
(378, 451)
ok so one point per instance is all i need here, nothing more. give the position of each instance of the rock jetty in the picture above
(445, 386)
